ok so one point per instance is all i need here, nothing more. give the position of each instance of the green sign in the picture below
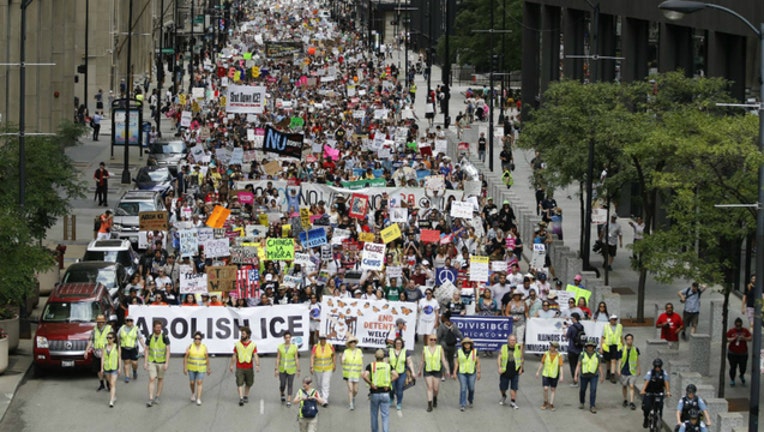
(168, 50)
(360, 184)
(199, 19)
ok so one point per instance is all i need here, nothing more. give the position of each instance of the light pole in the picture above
(674, 10)
(128, 107)
(87, 50)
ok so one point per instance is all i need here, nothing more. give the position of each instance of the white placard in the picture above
(373, 256)
(185, 119)
(540, 331)
(461, 209)
(189, 242)
(193, 283)
(478, 271)
(197, 92)
(368, 320)
(245, 99)
(216, 248)
(399, 214)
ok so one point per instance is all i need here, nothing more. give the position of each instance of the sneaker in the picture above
(580, 406)
(241, 402)
(111, 404)
(101, 387)
(246, 399)
(632, 406)
(289, 404)
(573, 384)
(127, 380)
(552, 408)
(326, 404)
(514, 405)
(193, 398)
(283, 399)
(392, 402)
(442, 379)
(198, 402)
(461, 408)
(352, 406)
(156, 400)
(502, 401)
(398, 407)
(593, 410)
(625, 404)
(149, 403)
(644, 423)
(544, 406)
(470, 405)
(732, 383)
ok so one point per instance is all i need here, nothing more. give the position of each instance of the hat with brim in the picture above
(352, 339)
(552, 295)
(590, 344)
(467, 341)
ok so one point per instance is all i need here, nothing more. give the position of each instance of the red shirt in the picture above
(248, 365)
(669, 332)
(741, 346)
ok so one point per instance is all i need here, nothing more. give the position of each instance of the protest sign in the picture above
(218, 217)
(390, 233)
(221, 278)
(373, 256)
(399, 214)
(539, 332)
(245, 99)
(358, 206)
(538, 257)
(368, 320)
(305, 217)
(189, 242)
(193, 283)
(479, 268)
(488, 333)
(185, 119)
(579, 292)
(216, 248)
(284, 144)
(152, 221)
(394, 272)
(313, 238)
(279, 249)
(461, 209)
(445, 274)
(365, 237)
(429, 236)
(244, 255)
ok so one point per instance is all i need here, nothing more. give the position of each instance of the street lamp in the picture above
(677, 9)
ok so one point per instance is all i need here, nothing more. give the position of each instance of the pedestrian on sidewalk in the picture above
(95, 123)
(105, 221)
(588, 372)
(551, 365)
(671, 325)
(748, 302)
(630, 369)
(614, 239)
(737, 350)
(691, 299)
(481, 147)
(101, 177)
(244, 352)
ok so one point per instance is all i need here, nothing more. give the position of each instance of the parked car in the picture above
(168, 154)
(133, 202)
(115, 251)
(66, 323)
(112, 276)
(154, 178)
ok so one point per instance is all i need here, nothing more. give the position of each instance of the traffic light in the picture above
(495, 63)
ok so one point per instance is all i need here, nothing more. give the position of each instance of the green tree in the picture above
(51, 182)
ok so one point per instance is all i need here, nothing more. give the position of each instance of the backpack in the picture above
(309, 408)
(450, 338)
(579, 340)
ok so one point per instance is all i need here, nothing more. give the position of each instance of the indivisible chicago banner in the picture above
(369, 320)
(220, 325)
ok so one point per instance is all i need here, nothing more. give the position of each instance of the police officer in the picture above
(656, 381)
(691, 401)
(693, 424)
(380, 375)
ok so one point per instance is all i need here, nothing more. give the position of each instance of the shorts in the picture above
(245, 377)
(611, 354)
(611, 249)
(315, 326)
(628, 380)
(549, 382)
(436, 374)
(505, 382)
(156, 370)
(110, 372)
(749, 313)
(690, 319)
(196, 376)
(352, 380)
(130, 353)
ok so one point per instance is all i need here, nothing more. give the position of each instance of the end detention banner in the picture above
(220, 325)
(369, 320)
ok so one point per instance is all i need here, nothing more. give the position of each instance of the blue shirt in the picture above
(691, 300)
(701, 404)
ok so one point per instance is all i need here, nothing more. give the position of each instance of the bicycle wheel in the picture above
(653, 422)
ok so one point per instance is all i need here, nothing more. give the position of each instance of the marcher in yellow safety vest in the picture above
(111, 364)
(612, 344)
(510, 362)
(287, 366)
(352, 363)
(196, 364)
(588, 371)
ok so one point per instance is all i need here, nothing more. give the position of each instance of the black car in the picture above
(168, 154)
(113, 276)
(154, 178)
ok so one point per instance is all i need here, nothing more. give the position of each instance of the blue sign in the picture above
(488, 333)
(313, 238)
(445, 274)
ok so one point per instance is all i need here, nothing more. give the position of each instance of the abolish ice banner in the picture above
(220, 325)
(539, 332)
(488, 333)
(368, 320)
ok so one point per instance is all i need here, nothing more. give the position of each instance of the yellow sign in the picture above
(366, 237)
(390, 233)
(305, 217)
(279, 249)
(285, 229)
(255, 72)
(263, 219)
(218, 217)
(579, 292)
(479, 259)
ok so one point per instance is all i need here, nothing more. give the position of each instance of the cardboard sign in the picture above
(390, 233)
(193, 283)
(272, 168)
(365, 237)
(221, 278)
(305, 217)
(429, 236)
(218, 217)
(279, 249)
(152, 221)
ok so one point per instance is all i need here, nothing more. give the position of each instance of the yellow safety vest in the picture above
(551, 365)
(612, 337)
(433, 361)
(111, 359)
(128, 339)
(197, 358)
(288, 363)
(467, 363)
(589, 364)
(398, 362)
(99, 336)
(157, 349)
(244, 353)
(380, 374)
(352, 363)
(631, 355)
(322, 361)
(517, 353)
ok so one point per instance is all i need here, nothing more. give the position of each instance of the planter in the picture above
(11, 327)
(3, 355)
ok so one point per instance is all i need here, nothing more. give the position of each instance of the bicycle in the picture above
(654, 417)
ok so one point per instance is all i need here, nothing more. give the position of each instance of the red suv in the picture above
(66, 323)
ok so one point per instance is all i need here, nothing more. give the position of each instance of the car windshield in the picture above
(133, 208)
(105, 276)
(122, 257)
(168, 148)
(62, 312)
(155, 175)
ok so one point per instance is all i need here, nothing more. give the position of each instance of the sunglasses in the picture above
(433, 340)
(197, 338)
(545, 304)
(109, 338)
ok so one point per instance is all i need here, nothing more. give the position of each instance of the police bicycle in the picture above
(655, 416)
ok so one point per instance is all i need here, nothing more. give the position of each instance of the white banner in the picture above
(540, 331)
(245, 99)
(193, 283)
(371, 321)
(461, 209)
(216, 248)
(220, 325)
(399, 214)
(373, 256)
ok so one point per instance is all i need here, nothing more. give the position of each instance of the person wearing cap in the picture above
(352, 362)
(510, 363)
(379, 375)
(578, 281)
(612, 344)
(196, 364)
(551, 298)
(552, 373)
(693, 423)
(468, 370)
(287, 366)
(307, 394)
(96, 343)
(323, 362)
(588, 372)
(129, 338)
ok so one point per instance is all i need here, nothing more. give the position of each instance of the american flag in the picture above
(248, 283)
